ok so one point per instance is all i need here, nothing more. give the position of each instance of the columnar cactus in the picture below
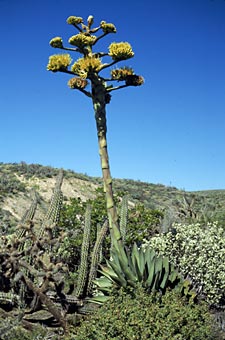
(84, 255)
(86, 71)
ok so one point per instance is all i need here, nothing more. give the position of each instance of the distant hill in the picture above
(19, 180)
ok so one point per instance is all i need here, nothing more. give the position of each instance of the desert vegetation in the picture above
(62, 273)
(116, 265)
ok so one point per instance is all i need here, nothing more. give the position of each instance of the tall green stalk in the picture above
(99, 103)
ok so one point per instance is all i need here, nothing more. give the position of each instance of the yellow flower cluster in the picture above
(107, 28)
(74, 20)
(59, 62)
(134, 80)
(56, 42)
(120, 51)
(84, 66)
(80, 40)
(121, 73)
(77, 83)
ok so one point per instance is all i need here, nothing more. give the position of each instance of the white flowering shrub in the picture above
(199, 252)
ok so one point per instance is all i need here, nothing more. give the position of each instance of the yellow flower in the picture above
(80, 40)
(134, 80)
(77, 83)
(84, 66)
(107, 28)
(56, 42)
(120, 51)
(121, 73)
(74, 20)
(59, 62)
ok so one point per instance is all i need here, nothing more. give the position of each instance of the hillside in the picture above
(19, 180)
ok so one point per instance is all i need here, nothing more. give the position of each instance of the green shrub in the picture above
(140, 316)
(19, 333)
(142, 223)
(9, 184)
(72, 219)
(197, 251)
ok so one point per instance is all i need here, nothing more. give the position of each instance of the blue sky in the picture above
(170, 131)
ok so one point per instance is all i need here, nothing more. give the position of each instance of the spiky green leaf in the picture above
(99, 299)
(138, 261)
(151, 274)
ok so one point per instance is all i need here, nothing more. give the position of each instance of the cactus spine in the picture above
(52, 215)
(83, 270)
(27, 218)
(95, 256)
(123, 216)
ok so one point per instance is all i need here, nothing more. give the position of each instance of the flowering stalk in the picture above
(99, 98)
(89, 67)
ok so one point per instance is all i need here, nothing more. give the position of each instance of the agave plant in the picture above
(139, 266)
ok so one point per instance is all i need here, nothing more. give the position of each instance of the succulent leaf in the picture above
(151, 274)
(138, 260)
(99, 299)
(128, 272)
